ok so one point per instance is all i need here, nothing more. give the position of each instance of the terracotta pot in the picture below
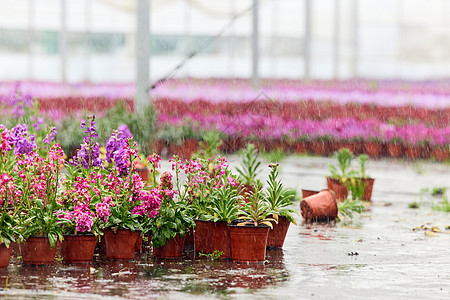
(232, 144)
(307, 193)
(142, 170)
(300, 147)
(78, 247)
(220, 240)
(440, 153)
(277, 235)
(120, 244)
(395, 150)
(5, 254)
(322, 148)
(319, 207)
(202, 236)
(36, 251)
(138, 244)
(368, 183)
(373, 149)
(356, 147)
(248, 243)
(189, 241)
(413, 151)
(173, 248)
(338, 188)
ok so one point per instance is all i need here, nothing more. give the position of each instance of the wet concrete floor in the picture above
(390, 251)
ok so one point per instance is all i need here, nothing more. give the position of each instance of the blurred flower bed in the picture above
(286, 114)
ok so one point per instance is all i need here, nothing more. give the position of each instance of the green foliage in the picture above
(343, 170)
(256, 211)
(356, 187)
(9, 230)
(414, 204)
(41, 219)
(362, 159)
(209, 147)
(348, 207)
(444, 205)
(213, 256)
(249, 166)
(224, 205)
(277, 197)
(274, 156)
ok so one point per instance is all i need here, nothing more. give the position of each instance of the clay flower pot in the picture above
(248, 243)
(413, 152)
(440, 153)
(220, 239)
(368, 183)
(5, 254)
(339, 189)
(142, 170)
(322, 148)
(120, 244)
(395, 149)
(78, 248)
(202, 236)
(189, 241)
(373, 148)
(300, 147)
(277, 234)
(36, 251)
(319, 207)
(356, 147)
(307, 193)
(138, 244)
(173, 248)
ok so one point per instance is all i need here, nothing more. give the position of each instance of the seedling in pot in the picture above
(249, 167)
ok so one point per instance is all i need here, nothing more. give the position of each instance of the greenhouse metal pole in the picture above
(31, 18)
(87, 53)
(255, 46)
(336, 52)
(62, 41)
(142, 54)
(306, 41)
(354, 65)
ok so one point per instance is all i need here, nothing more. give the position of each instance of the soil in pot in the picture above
(173, 248)
(5, 254)
(78, 248)
(120, 244)
(319, 207)
(248, 243)
(338, 188)
(278, 233)
(36, 251)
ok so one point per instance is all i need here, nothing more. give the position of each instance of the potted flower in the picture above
(248, 170)
(249, 235)
(174, 219)
(39, 224)
(341, 174)
(278, 199)
(394, 142)
(224, 208)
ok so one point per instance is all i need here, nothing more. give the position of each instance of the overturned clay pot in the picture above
(319, 207)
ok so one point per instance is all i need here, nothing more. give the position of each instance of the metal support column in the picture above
(307, 40)
(355, 24)
(255, 45)
(336, 34)
(31, 18)
(87, 53)
(63, 41)
(142, 54)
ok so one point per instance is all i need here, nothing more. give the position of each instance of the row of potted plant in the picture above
(99, 194)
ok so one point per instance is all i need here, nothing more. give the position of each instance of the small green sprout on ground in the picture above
(275, 156)
(414, 205)
(213, 256)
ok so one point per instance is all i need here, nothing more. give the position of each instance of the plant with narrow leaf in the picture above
(348, 207)
(249, 167)
(343, 171)
(225, 204)
(277, 197)
(256, 211)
